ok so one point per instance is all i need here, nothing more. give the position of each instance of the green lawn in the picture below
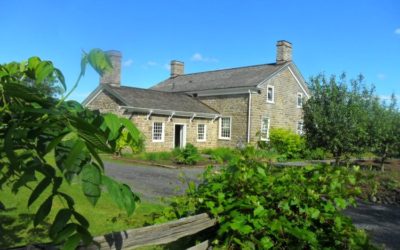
(16, 223)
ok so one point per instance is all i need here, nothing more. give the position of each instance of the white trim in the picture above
(215, 118)
(94, 97)
(220, 126)
(205, 132)
(298, 82)
(297, 100)
(268, 127)
(162, 132)
(168, 112)
(249, 118)
(170, 117)
(191, 118)
(273, 94)
(149, 115)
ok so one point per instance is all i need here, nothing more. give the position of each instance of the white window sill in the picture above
(271, 102)
(225, 139)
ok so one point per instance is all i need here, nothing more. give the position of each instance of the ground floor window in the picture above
(225, 127)
(265, 128)
(158, 131)
(201, 132)
(300, 127)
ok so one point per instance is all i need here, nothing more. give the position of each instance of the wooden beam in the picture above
(153, 235)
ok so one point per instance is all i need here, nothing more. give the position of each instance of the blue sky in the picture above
(327, 36)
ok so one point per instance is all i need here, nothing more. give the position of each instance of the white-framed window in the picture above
(270, 94)
(300, 125)
(201, 132)
(265, 121)
(158, 132)
(299, 100)
(225, 127)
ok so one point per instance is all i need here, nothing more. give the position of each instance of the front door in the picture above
(180, 136)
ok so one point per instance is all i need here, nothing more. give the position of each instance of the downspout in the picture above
(249, 118)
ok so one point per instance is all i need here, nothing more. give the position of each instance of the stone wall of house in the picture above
(283, 113)
(236, 107)
(106, 103)
(146, 127)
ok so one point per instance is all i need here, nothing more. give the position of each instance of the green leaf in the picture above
(59, 222)
(43, 211)
(261, 171)
(99, 61)
(85, 235)
(113, 124)
(68, 199)
(266, 243)
(60, 77)
(84, 62)
(39, 190)
(43, 70)
(82, 220)
(130, 199)
(65, 232)
(72, 242)
(91, 180)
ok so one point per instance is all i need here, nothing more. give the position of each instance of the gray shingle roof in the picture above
(249, 76)
(152, 99)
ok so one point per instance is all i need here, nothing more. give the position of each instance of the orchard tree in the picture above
(384, 130)
(37, 130)
(336, 117)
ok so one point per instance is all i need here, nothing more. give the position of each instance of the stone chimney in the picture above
(283, 52)
(177, 68)
(113, 77)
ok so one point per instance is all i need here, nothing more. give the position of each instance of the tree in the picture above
(41, 75)
(35, 127)
(384, 130)
(335, 117)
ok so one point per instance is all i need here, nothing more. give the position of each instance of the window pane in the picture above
(264, 128)
(270, 94)
(157, 131)
(201, 132)
(299, 100)
(226, 127)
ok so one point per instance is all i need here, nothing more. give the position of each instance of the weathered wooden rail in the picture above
(145, 236)
(154, 235)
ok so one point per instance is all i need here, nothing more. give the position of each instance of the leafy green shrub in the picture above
(315, 154)
(222, 155)
(188, 155)
(259, 207)
(287, 142)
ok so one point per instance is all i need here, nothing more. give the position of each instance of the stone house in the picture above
(220, 108)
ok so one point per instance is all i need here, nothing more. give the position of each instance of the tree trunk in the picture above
(383, 158)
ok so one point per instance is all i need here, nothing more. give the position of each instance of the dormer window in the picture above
(270, 94)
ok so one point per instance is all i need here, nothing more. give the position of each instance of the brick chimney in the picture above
(283, 52)
(177, 68)
(113, 77)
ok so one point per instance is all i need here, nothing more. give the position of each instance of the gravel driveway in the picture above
(152, 183)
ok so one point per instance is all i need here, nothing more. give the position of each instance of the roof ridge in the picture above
(152, 90)
(233, 68)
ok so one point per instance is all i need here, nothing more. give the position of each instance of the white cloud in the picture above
(127, 63)
(151, 63)
(197, 57)
(397, 31)
(167, 66)
(381, 76)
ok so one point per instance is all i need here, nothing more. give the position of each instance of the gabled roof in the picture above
(250, 76)
(146, 99)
